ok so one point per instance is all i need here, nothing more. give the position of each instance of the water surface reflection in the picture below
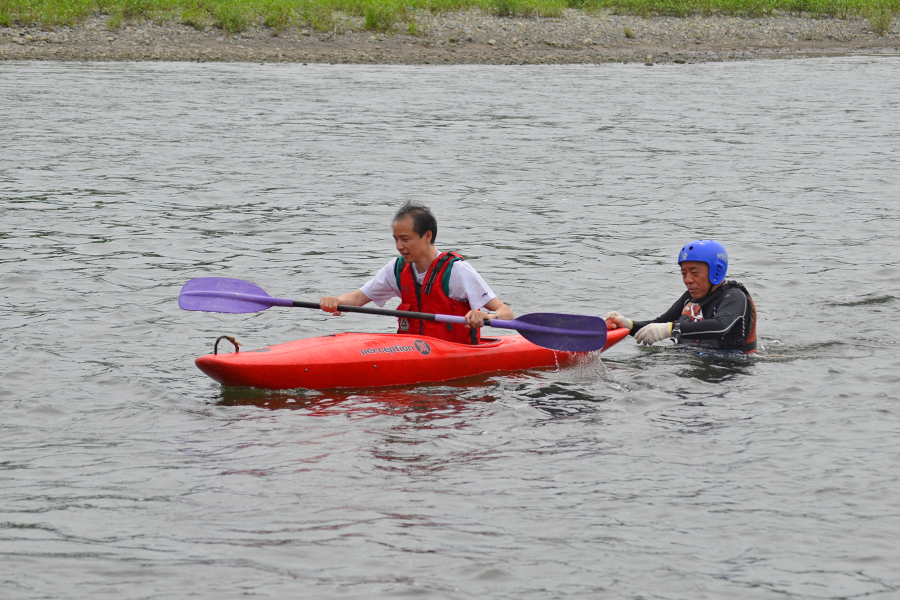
(125, 471)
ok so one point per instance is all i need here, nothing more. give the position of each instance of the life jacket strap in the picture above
(445, 282)
(398, 269)
(452, 257)
(437, 269)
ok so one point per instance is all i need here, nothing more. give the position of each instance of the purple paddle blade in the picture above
(224, 295)
(570, 333)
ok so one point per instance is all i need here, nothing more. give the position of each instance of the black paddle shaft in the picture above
(372, 311)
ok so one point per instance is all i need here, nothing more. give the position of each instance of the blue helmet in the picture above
(708, 251)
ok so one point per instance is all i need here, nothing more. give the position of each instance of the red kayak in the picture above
(365, 360)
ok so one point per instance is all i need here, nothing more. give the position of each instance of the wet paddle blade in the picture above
(224, 295)
(570, 333)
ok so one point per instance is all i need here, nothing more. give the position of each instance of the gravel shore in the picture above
(469, 37)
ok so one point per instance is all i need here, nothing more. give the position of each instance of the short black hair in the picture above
(422, 217)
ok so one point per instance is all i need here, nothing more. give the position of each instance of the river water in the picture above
(126, 473)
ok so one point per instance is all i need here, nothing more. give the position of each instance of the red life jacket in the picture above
(433, 296)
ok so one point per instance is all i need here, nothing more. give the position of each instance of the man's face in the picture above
(696, 278)
(410, 244)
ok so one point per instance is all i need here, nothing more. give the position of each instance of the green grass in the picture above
(382, 15)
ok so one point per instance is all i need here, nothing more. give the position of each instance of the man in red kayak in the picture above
(427, 280)
(712, 313)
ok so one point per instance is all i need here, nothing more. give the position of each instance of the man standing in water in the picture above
(427, 280)
(712, 313)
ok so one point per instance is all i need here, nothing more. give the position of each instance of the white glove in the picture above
(619, 321)
(652, 333)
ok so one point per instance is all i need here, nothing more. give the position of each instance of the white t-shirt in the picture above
(466, 285)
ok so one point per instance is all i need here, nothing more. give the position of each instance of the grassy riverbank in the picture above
(381, 15)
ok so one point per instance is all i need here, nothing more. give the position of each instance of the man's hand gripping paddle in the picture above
(570, 333)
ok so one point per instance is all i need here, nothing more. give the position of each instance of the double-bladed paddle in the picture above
(570, 333)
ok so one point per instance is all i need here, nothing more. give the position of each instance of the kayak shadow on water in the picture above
(433, 401)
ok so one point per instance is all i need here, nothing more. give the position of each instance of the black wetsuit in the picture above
(724, 319)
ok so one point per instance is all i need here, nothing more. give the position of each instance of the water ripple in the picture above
(654, 473)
